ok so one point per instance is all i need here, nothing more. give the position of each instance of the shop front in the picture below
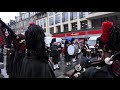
(79, 34)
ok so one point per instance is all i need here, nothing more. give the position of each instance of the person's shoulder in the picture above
(89, 73)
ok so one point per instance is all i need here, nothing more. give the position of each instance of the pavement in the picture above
(65, 71)
(3, 71)
(60, 73)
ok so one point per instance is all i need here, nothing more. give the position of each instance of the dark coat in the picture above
(67, 56)
(59, 52)
(17, 63)
(9, 62)
(34, 68)
(55, 54)
(92, 72)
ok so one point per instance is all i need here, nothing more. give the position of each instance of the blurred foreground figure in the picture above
(20, 52)
(36, 63)
(12, 43)
(110, 40)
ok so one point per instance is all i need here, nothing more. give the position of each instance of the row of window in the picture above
(98, 22)
(41, 22)
(25, 15)
(84, 25)
(73, 16)
(51, 13)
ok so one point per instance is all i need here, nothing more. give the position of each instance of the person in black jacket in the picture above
(110, 45)
(36, 63)
(20, 52)
(54, 53)
(85, 47)
(10, 48)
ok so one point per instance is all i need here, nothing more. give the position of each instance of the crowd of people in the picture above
(29, 57)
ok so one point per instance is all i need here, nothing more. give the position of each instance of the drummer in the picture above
(73, 56)
(67, 56)
(85, 47)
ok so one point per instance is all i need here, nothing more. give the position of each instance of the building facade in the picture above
(67, 24)
(79, 24)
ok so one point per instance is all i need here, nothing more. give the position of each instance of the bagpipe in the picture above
(98, 64)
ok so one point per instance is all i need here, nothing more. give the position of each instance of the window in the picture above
(82, 14)
(52, 30)
(73, 15)
(65, 27)
(41, 23)
(50, 13)
(37, 22)
(57, 18)
(74, 26)
(96, 23)
(44, 22)
(31, 14)
(84, 24)
(58, 29)
(51, 21)
(65, 17)
(44, 29)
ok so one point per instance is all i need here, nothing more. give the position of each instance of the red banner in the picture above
(94, 32)
(58, 35)
(76, 34)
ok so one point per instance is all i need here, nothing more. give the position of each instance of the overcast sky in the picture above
(6, 16)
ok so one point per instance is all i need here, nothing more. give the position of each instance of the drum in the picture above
(88, 50)
(79, 51)
(71, 50)
(100, 50)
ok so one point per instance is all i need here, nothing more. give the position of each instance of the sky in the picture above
(6, 16)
